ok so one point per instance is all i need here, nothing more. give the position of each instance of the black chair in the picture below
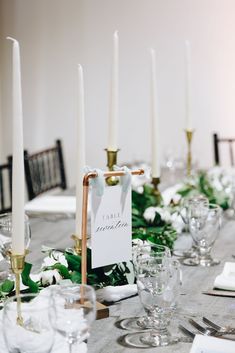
(6, 187)
(217, 141)
(44, 170)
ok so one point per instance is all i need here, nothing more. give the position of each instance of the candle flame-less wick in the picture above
(12, 39)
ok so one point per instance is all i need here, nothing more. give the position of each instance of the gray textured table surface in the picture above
(105, 334)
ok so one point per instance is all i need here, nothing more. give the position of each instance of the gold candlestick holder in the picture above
(111, 161)
(77, 244)
(17, 266)
(189, 136)
(155, 182)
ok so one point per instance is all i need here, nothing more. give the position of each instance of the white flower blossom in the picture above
(171, 194)
(149, 213)
(177, 222)
(50, 277)
(54, 258)
(164, 213)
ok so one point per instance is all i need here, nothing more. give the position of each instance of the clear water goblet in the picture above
(73, 309)
(140, 252)
(158, 284)
(6, 238)
(147, 248)
(186, 204)
(204, 227)
(35, 334)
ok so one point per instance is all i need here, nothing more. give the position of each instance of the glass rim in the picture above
(9, 215)
(58, 289)
(25, 295)
(160, 246)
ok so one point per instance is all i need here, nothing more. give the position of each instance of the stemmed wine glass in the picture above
(35, 333)
(204, 225)
(6, 238)
(73, 309)
(158, 282)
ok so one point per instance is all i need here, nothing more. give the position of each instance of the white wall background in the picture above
(57, 34)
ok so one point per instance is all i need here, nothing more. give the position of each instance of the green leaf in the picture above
(64, 272)
(74, 262)
(76, 277)
(7, 286)
(184, 191)
(27, 281)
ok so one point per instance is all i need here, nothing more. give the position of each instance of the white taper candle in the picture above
(80, 151)
(154, 120)
(188, 82)
(113, 109)
(18, 246)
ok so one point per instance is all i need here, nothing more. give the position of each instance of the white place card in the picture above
(208, 344)
(111, 226)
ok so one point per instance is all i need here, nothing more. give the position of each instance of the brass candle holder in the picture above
(111, 161)
(189, 136)
(155, 182)
(17, 266)
(77, 244)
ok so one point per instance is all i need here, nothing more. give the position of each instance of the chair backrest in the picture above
(216, 141)
(45, 170)
(6, 187)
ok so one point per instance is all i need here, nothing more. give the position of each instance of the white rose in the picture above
(54, 258)
(149, 214)
(164, 213)
(50, 276)
(177, 222)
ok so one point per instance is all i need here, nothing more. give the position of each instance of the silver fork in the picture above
(222, 329)
(187, 332)
(209, 331)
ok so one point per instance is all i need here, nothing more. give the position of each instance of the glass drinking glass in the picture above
(146, 249)
(158, 282)
(73, 309)
(204, 225)
(6, 237)
(140, 252)
(35, 334)
(186, 204)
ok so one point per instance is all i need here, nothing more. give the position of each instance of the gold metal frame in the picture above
(86, 179)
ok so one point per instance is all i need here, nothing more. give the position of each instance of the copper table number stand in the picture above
(102, 310)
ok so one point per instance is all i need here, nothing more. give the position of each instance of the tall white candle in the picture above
(154, 120)
(80, 151)
(18, 160)
(113, 112)
(188, 80)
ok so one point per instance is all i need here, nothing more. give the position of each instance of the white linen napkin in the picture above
(52, 204)
(60, 345)
(226, 280)
(113, 294)
(209, 344)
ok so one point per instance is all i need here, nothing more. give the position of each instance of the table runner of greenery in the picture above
(152, 221)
